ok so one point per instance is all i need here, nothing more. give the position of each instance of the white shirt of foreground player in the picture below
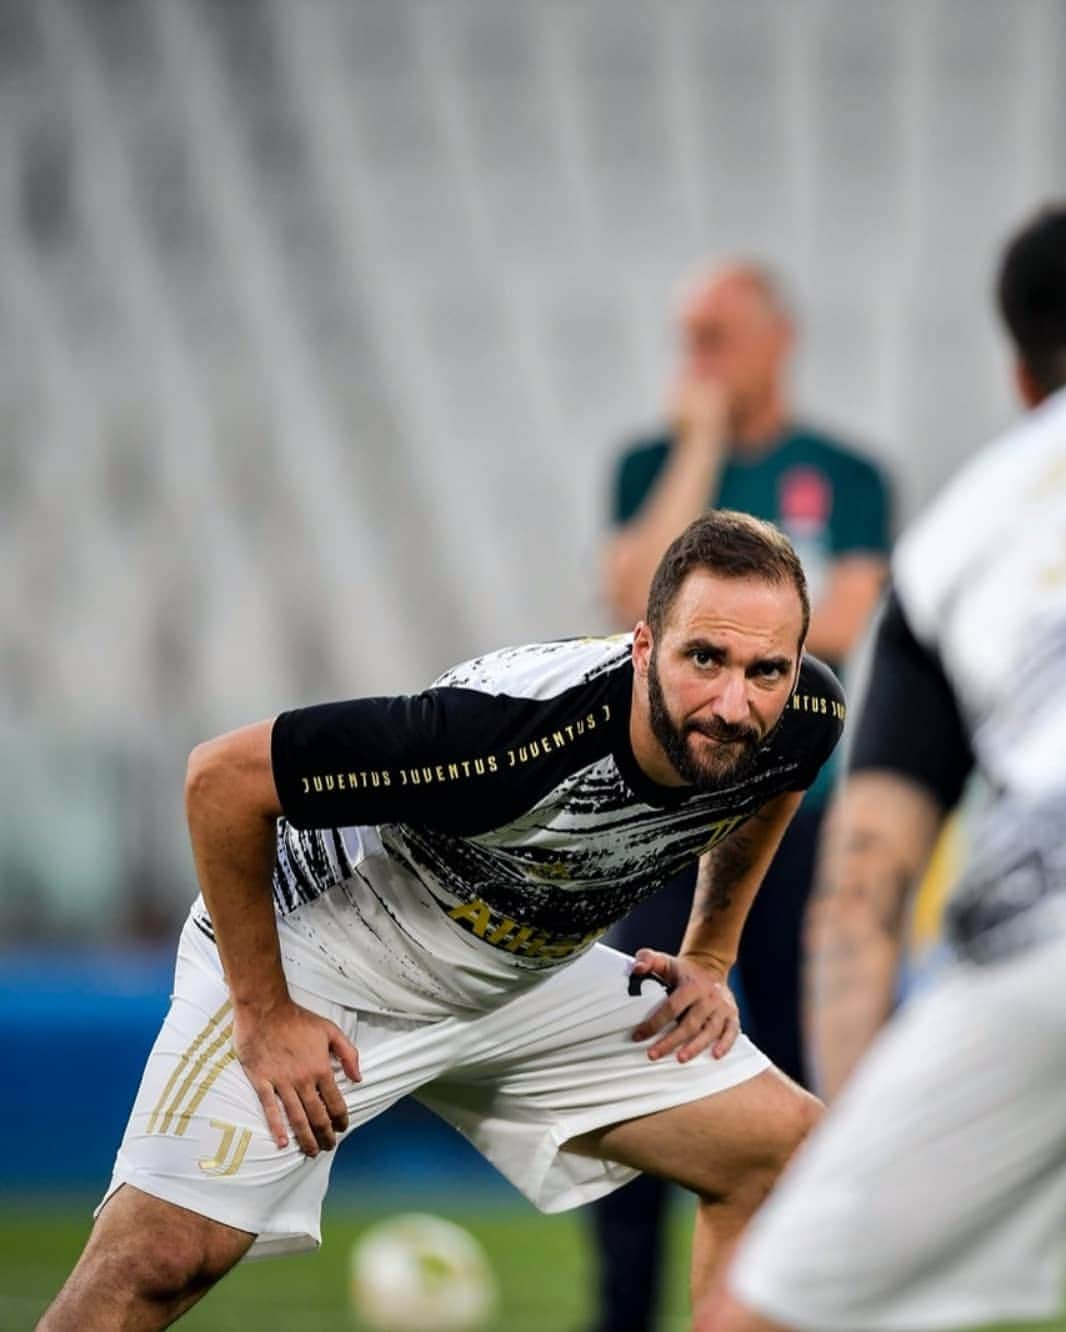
(982, 577)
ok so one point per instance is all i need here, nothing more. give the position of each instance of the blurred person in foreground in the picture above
(934, 1196)
(403, 896)
(735, 443)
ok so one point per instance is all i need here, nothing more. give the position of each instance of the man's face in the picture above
(721, 673)
(731, 334)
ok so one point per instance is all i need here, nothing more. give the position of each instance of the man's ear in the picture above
(643, 646)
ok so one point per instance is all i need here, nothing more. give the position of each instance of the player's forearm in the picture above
(679, 496)
(232, 808)
(730, 876)
(877, 843)
(720, 904)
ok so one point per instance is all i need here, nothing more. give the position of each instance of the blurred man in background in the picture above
(734, 443)
(935, 1196)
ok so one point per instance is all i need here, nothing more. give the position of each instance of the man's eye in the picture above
(768, 672)
(702, 657)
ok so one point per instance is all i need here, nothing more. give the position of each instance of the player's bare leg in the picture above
(145, 1263)
(728, 1149)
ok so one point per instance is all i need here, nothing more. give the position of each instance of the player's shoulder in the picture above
(815, 712)
(542, 670)
(1008, 484)
(1016, 461)
(812, 722)
(817, 682)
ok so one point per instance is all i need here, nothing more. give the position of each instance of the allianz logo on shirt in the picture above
(511, 936)
(481, 919)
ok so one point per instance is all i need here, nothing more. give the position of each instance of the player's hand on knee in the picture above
(288, 1053)
(699, 1013)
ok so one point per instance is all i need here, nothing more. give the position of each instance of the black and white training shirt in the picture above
(444, 844)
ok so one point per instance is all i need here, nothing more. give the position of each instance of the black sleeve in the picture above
(452, 758)
(910, 721)
(816, 714)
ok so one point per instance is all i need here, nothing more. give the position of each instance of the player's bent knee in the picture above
(151, 1272)
(192, 1261)
(770, 1148)
(791, 1128)
(793, 1125)
(148, 1254)
(808, 1113)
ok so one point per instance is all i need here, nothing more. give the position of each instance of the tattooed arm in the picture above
(699, 1013)
(878, 840)
(729, 878)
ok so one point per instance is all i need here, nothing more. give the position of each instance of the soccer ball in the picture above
(419, 1273)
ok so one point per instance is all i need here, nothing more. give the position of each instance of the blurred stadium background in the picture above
(321, 322)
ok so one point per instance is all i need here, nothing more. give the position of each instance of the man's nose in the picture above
(731, 705)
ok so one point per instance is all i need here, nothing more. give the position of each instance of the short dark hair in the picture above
(730, 545)
(1032, 295)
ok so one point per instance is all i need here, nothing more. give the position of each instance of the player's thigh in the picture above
(717, 1144)
(544, 1077)
(197, 1135)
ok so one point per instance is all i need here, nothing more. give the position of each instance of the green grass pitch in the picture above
(544, 1266)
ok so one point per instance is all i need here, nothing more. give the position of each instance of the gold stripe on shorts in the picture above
(190, 1050)
(205, 1086)
(193, 1073)
(208, 1053)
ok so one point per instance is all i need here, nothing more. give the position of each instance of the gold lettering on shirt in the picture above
(440, 774)
(477, 912)
(506, 933)
(817, 703)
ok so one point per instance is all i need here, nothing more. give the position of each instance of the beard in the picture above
(708, 767)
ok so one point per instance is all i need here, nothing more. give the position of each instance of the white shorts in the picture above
(518, 1081)
(934, 1194)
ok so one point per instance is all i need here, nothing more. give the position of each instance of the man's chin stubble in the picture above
(720, 773)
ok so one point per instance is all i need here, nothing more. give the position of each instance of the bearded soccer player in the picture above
(934, 1196)
(403, 896)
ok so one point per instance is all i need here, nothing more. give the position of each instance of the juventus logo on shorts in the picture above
(227, 1160)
